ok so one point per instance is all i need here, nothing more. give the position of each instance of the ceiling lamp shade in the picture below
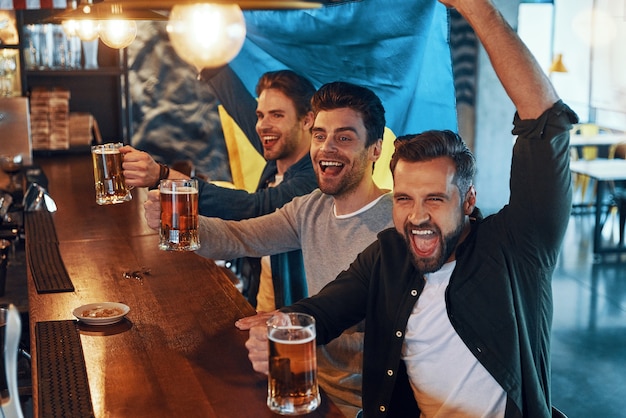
(243, 4)
(106, 10)
(209, 35)
(113, 22)
(557, 65)
(206, 35)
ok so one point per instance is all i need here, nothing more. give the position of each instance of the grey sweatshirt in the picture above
(329, 244)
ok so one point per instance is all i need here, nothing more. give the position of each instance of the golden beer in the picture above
(292, 379)
(179, 215)
(108, 174)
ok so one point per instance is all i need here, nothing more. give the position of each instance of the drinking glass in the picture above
(12, 165)
(179, 215)
(108, 174)
(292, 387)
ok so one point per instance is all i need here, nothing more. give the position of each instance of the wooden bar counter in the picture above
(177, 353)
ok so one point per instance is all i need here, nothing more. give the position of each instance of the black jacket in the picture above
(499, 299)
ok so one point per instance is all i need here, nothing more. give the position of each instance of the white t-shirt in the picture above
(447, 380)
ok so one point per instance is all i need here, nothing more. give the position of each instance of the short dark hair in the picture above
(340, 94)
(433, 144)
(293, 85)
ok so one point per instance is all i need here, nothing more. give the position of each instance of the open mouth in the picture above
(425, 241)
(269, 140)
(331, 167)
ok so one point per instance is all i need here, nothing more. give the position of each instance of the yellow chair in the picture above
(618, 151)
(581, 181)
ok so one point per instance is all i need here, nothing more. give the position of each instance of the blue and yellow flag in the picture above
(398, 48)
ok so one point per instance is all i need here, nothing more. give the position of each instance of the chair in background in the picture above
(11, 408)
(618, 151)
(618, 192)
(619, 200)
(581, 181)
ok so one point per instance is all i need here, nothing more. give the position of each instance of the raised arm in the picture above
(236, 99)
(523, 79)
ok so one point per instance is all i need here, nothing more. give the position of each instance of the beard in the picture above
(351, 176)
(287, 145)
(447, 245)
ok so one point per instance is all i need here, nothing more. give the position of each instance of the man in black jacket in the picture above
(458, 308)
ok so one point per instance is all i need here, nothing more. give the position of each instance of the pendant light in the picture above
(206, 35)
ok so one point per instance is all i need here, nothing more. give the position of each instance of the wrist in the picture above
(164, 172)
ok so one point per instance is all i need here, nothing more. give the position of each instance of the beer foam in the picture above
(106, 151)
(310, 337)
(181, 190)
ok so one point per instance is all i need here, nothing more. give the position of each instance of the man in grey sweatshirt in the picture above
(331, 225)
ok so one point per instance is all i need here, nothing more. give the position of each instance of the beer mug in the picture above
(108, 174)
(179, 215)
(292, 380)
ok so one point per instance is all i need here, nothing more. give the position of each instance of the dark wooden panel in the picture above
(98, 94)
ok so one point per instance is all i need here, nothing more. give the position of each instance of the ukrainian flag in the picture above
(397, 48)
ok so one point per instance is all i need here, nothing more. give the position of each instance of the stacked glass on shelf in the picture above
(47, 46)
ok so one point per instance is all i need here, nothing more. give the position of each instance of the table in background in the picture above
(603, 171)
(178, 353)
(602, 141)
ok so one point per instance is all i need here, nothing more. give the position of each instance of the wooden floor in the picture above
(589, 329)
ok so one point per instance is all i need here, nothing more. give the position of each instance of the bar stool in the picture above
(11, 408)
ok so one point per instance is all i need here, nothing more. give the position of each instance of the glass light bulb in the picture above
(87, 30)
(117, 33)
(206, 35)
(70, 27)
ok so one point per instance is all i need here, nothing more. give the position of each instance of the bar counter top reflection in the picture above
(177, 353)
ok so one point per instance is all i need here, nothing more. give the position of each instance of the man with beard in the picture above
(283, 125)
(331, 225)
(458, 308)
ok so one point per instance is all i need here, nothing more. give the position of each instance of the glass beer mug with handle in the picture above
(108, 174)
(179, 215)
(292, 387)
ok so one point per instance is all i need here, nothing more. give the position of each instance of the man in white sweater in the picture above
(330, 225)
